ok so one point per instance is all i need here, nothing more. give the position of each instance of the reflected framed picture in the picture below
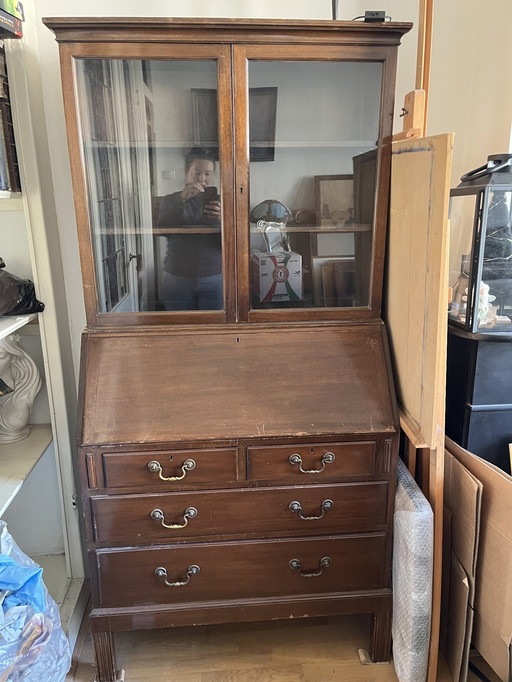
(333, 281)
(262, 121)
(334, 200)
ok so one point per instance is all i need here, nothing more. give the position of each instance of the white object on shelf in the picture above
(9, 324)
(18, 459)
(22, 383)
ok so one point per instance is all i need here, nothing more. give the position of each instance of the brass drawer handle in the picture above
(187, 465)
(158, 515)
(327, 458)
(191, 570)
(324, 563)
(297, 507)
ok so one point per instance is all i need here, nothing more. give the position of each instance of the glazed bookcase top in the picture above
(223, 29)
(293, 111)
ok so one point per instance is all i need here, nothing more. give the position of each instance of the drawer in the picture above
(139, 519)
(185, 468)
(238, 570)
(315, 462)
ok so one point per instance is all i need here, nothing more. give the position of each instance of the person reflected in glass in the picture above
(192, 277)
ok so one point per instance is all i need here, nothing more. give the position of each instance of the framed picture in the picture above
(333, 281)
(262, 121)
(334, 200)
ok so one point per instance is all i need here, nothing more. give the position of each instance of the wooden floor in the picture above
(306, 650)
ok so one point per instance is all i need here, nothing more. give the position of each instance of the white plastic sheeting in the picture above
(412, 578)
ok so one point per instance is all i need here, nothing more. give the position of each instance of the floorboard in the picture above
(305, 650)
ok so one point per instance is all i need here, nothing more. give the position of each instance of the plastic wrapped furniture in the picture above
(33, 646)
(412, 578)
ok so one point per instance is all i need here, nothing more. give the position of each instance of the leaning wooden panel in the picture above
(417, 287)
(417, 302)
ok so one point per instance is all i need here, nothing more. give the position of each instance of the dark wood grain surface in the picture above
(156, 387)
(126, 519)
(234, 570)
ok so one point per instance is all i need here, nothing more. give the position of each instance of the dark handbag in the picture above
(17, 296)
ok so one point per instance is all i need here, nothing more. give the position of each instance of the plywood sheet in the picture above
(417, 287)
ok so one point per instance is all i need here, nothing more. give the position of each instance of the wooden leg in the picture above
(380, 636)
(105, 654)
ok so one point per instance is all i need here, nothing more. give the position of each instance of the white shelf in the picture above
(18, 459)
(11, 201)
(9, 324)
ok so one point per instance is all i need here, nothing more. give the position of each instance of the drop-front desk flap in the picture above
(174, 385)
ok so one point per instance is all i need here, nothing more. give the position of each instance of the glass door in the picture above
(155, 175)
(312, 153)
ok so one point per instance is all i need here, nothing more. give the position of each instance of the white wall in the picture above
(471, 94)
(471, 78)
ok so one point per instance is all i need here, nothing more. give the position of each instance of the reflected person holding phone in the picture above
(192, 277)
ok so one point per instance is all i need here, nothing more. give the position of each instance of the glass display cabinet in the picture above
(479, 379)
(238, 434)
(481, 225)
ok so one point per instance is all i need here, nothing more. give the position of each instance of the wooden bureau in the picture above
(258, 522)
(238, 430)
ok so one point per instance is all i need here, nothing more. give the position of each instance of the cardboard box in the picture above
(462, 514)
(276, 277)
(492, 628)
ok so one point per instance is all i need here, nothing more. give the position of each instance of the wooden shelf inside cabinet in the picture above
(18, 459)
(324, 229)
(185, 230)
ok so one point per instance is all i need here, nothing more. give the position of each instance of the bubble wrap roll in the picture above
(412, 578)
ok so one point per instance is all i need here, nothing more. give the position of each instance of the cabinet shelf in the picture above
(9, 324)
(278, 144)
(11, 201)
(18, 459)
(324, 229)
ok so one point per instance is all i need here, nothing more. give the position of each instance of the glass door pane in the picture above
(151, 146)
(313, 163)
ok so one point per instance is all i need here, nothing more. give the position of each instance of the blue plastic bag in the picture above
(33, 646)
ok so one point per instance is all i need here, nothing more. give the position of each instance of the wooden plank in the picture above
(424, 54)
(406, 134)
(417, 290)
(413, 113)
(417, 300)
(414, 105)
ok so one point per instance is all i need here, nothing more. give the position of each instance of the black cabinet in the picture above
(479, 394)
